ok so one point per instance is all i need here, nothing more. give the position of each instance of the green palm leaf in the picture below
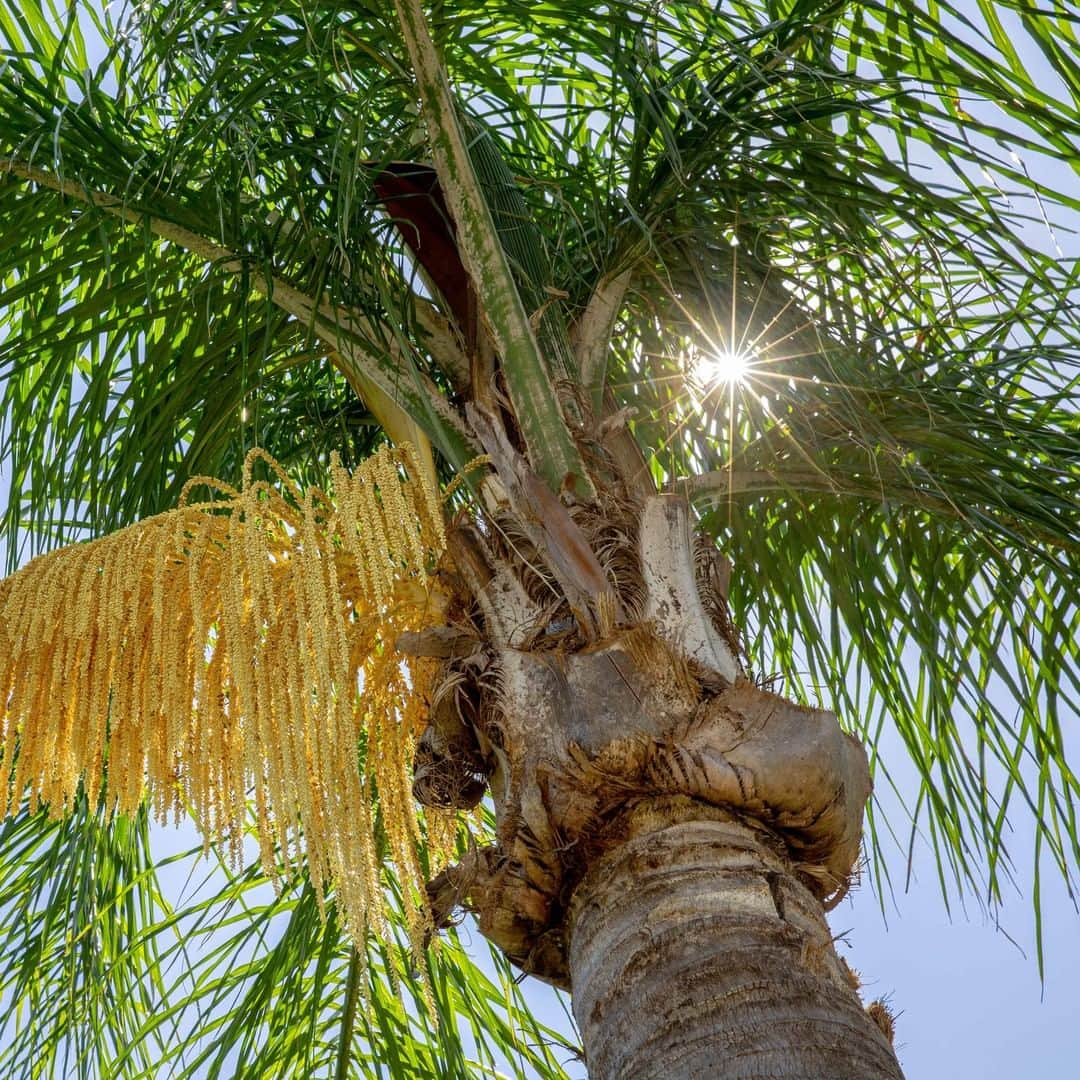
(873, 199)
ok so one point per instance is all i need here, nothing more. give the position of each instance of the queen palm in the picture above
(739, 345)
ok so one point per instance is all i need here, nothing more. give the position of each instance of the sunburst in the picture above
(725, 366)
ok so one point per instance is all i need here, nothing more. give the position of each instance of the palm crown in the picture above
(226, 227)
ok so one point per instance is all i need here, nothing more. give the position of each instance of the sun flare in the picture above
(727, 366)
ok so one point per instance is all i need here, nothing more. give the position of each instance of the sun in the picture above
(726, 366)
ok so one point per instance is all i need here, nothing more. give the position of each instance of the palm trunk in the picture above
(667, 830)
(696, 952)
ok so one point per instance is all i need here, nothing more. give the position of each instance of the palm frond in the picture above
(897, 478)
(875, 200)
(119, 966)
(79, 976)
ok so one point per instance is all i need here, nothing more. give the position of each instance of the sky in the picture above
(965, 987)
(966, 990)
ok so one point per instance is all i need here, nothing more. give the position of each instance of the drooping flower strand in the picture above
(238, 652)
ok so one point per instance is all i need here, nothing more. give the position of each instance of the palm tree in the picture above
(744, 334)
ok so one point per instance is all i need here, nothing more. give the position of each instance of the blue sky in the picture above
(967, 991)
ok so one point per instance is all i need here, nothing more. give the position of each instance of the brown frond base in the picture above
(573, 730)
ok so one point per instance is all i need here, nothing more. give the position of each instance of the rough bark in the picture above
(695, 951)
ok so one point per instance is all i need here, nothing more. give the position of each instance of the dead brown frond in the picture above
(712, 570)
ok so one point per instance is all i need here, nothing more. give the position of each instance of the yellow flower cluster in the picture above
(234, 659)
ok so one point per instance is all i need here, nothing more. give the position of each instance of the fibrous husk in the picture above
(882, 1014)
(786, 765)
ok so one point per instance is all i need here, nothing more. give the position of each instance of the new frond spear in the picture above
(526, 246)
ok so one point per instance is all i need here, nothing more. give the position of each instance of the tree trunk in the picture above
(696, 952)
(667, 831)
